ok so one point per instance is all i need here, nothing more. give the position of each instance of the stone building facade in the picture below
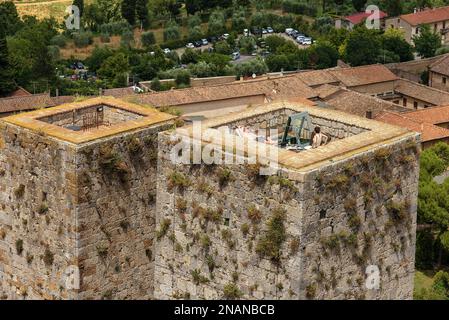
(312, 230)
(78, 201)
(107, 201)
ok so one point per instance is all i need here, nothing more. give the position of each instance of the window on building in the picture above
(396, 101)
(426, 106)
(435, 27)
(404, 102)
(444, 80)
(417, 31)
(415, 104)
(444, 24)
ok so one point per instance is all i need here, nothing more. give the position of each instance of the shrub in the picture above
(115, 28)
(148, 39)
(183, 78)
(59, 40)
(82, 39)
(205, 241)
(354, 221)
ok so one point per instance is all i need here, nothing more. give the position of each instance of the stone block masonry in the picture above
(110, 203)
(310, 231)
(87, 206)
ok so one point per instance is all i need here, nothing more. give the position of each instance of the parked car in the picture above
(190, 45)
(246, 32)
(288, 31)
(307, 41)
(205, 42)
(213, 39)
(167, 50)
(226, 36)
(198, 43)
(270, 30)
(300, 39)
(235, 55)
(264, 31)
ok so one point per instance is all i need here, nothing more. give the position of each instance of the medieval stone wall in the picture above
(116, 212)
(210, 226)
(37, 220)
(358, 213)
(216, 228)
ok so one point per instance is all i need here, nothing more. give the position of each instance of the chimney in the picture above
(369, 114)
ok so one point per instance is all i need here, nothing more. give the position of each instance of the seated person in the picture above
(318, 139)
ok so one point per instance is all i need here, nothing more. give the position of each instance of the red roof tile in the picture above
(359, 17)
(429, 131)
(427, 16)
(358, 76)
(435, 115)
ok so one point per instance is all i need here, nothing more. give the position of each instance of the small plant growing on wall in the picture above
(339, 181)
(102, 251)
(294, 246)
(43, 209)
(134, 146)
(271, 242)
(163, 228)
(398, 211)
(48, 257)
(231, 292)
(211, 264)
(181, 205)
(178, 180)
(111, 162)
(244, 229)
(224, 177)
(205, 241)
(254, 214)
(19, 246)
(20, 191)
(198, 278)
(253, 173)
(311, 291)
(205, 188)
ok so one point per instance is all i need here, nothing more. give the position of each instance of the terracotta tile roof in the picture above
(359, 17)
(441, 66)
(427, 16)
(359, 104)
(24, 103)
(429, 131)
(358, 76)
(62, 99)
(118, 92)
(421, 92)
(288, 86)
(435, 115)
(19, 92)
(326, 90)
(317, 77)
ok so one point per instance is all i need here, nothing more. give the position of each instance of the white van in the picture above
(288, 31)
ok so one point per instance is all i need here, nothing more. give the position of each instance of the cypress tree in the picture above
(142, 12)
(7, 83)
(129, 11)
